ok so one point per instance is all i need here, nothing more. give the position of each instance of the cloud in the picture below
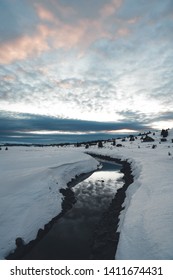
(110, 8)
(97, 60)
(64, 10)
(44, 14)
(28, 122)
(23, 47)
(53, 32)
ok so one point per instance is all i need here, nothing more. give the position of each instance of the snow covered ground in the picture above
(146, 224)
(31, 178)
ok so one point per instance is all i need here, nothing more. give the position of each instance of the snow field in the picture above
(146, 225)
(29, 189)
(31, 179)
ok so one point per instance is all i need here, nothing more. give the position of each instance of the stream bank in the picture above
(106, 237)
(23, 249)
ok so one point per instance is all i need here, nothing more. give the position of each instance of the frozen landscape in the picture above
(29, 192)
(32, 176)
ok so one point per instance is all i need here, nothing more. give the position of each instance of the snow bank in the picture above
(146, 224)
(29, 189)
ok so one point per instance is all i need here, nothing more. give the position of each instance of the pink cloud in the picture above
(44, 14)
(63, 9)
(123, 32)
(133, 20)
(64, 84)
(22, 48)
(8, 78)
(110, 8)
(63, 35)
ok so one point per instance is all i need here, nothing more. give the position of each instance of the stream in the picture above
(71, 237)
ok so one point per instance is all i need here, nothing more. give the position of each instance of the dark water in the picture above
(71, 236)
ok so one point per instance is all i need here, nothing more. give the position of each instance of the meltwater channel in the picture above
(71, 237)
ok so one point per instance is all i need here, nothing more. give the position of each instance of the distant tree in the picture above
(154, 146)
(119, 145)
(100, 144)
(132, 138)
(163, 139)
(78, 145)
(164, 132)
(148, 139)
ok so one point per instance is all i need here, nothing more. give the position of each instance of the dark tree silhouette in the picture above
(164, 132)
(100, 144)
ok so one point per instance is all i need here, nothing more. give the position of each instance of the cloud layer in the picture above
(106, 61)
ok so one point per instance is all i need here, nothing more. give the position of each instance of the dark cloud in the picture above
(27, 122)
(165, 116)
(23, 128)
(133, 116)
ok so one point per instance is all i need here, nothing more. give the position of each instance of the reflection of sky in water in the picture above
(94, 196)
(72, 235)
(96, 192)
(105, 175)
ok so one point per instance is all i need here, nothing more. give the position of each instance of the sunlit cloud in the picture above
(110, 8)
(61, 132)
(44, 14)
(107, 62)
(162, 124)
(123, 131)
(60, 34)
(123, 32)
(23, 47)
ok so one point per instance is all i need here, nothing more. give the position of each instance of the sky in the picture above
(84, 67)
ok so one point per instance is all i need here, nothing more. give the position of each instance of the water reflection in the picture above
(96, 192)
(71, 236)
